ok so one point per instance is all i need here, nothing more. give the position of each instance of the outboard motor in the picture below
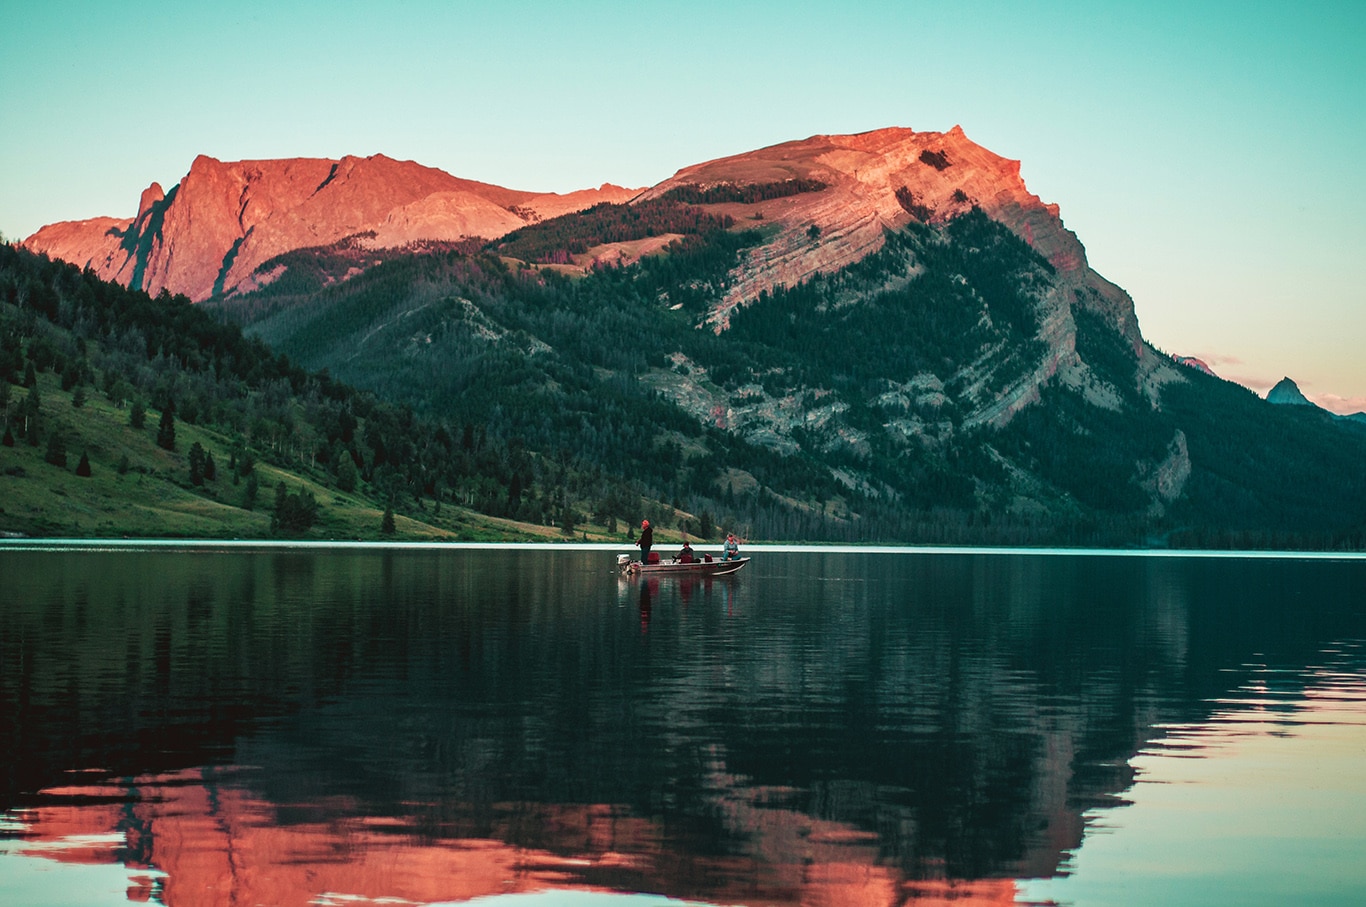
(623, 562)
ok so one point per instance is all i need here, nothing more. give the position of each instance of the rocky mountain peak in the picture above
(1288, 392)
(211, 232)
(879, 180)
(829, 200)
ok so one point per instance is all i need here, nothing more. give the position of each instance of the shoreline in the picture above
(209, 546)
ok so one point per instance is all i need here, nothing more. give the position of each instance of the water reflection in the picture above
(1259, 803)
(827, 729)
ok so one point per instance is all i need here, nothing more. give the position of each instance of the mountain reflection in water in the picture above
(286, 727)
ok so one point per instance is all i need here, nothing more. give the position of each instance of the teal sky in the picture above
(1208, 154)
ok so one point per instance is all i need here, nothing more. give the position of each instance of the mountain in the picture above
(214, 231)
(1199, 365)
(211, 231)
(881, 336)
(876, 181)
(1287, 392)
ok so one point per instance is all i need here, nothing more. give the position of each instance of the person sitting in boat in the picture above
(685, 555)
(647, 538)
(732, 548)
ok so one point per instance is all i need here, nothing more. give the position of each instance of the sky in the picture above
(1208, 154)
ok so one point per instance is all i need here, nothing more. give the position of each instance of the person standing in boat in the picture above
(647, 539)
(732, 547)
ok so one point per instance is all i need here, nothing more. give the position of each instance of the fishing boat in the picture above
(701, 566)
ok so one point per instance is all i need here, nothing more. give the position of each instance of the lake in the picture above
(521, 727)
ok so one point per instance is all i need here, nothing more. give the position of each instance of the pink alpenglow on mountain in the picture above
(210, 232)
(881, 179)
(835, 197)
(1199, 365)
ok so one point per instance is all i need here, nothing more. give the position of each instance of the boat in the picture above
(703, 566)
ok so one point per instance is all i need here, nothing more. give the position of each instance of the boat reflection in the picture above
(649, 590)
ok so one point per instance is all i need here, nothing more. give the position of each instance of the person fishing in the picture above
(646, 540)
(732, 547)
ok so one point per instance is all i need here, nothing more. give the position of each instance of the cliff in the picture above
(210, 232)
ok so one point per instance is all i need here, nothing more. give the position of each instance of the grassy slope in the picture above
(155, 498)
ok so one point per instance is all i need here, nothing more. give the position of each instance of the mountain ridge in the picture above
(209, 233)
(946, 173)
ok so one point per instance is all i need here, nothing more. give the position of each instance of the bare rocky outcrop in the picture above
(1165, 481)
(97, 243)
(944, 174)
(882, 180)
(210, 233)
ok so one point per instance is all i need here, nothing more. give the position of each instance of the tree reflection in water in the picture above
(831, 728)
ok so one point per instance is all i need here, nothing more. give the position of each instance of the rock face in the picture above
(1287, 392)
(208, 234)
(883, 179)
(886, 178)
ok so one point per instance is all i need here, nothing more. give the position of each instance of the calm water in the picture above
(522, 728)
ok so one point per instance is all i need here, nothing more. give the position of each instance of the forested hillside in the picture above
(124, 414)
(848, 407)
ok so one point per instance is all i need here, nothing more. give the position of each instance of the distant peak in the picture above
(1287, 392)
(1194, 362)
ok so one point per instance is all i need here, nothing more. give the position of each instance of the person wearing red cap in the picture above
(647, 538)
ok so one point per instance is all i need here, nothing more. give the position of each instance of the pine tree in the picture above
(196, 463)
(78, 397)
(9, 437)
(137, 414)
(166, 430)
(30, 375)
(294, 513)
(83, 467)
(386, 523)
